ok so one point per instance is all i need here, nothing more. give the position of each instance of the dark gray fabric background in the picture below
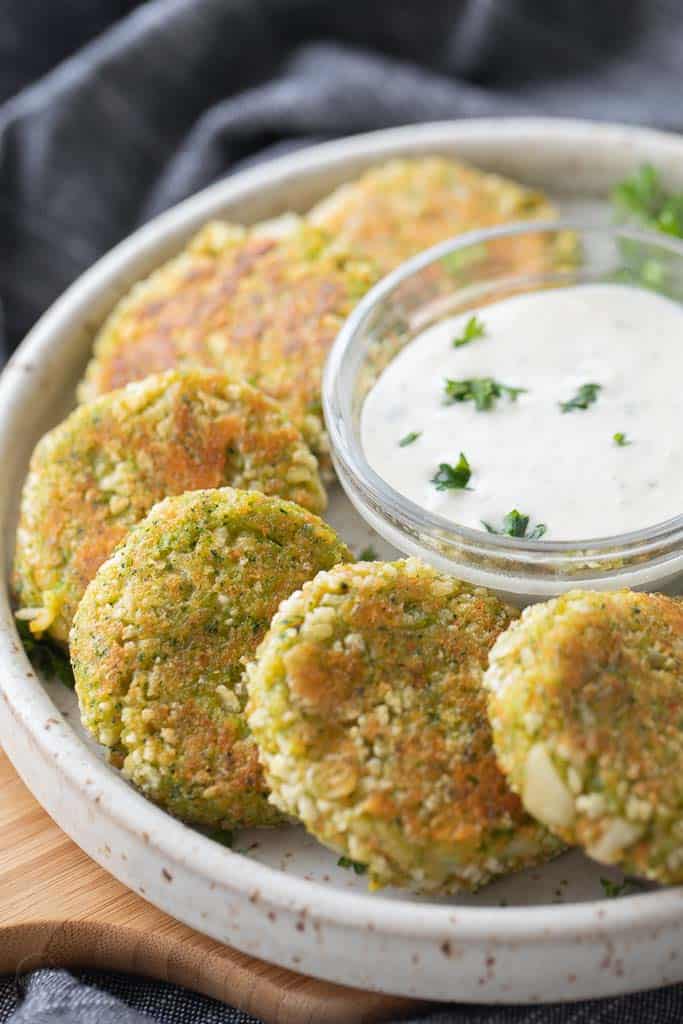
(111, 111)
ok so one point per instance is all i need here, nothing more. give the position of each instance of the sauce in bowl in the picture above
(555, 414)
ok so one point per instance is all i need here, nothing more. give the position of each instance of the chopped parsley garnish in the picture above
(409, 438)
(620, 439)
(585, 396)
(643, 197)
(474, 328)
(515, 524)
(223, 836)
(45, 657)
(353, 865)
(368, 554)
(613, 890)
(483, 391)
(453, 478)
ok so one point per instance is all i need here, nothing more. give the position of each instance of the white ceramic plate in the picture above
(543, 935)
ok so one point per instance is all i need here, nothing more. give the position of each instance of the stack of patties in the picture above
(164, 522)
(100, 471)
(267, 302)
(368, 702)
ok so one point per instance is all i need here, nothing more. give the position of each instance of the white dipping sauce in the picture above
(562, 469)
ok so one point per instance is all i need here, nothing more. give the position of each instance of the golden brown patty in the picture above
(367, 704)
(103, 468)
(237, 300)
(399, 208)
(586, 704)
(160, 637)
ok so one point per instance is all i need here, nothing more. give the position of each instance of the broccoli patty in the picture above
(366, 702)
(397, 209)
(586, 703)
(103, 468)
(160, 638)
(238, 300)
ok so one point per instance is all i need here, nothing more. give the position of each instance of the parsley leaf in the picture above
(643, 197)
(515, 524)
(223, 836)
(620, 439)
(453, 478)
(614, 889)
(474, 328)
(45, 656)
(354, 865)
(368, 554)
(409, 438)
(483, 391)
(585, 396)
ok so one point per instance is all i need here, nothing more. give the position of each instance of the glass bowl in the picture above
(466, 273)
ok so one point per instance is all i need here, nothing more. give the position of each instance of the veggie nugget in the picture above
(160, 637)
(238, 300)
(586, 702)
(397, 209)
(367, 706)
(103, 468)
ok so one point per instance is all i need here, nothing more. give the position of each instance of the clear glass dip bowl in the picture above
(467, 273)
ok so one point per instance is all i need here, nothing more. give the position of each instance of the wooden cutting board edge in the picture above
(58, 908)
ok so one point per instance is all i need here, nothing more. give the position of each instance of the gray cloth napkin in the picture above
(55, 997)
(179, 92)
(140, 105)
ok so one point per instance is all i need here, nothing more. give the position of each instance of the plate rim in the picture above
(28, 705)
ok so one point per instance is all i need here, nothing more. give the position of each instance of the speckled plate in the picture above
(543, 935)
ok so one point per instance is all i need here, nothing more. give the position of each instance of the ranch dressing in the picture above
(592, 446)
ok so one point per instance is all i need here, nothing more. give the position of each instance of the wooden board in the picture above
(58, 908)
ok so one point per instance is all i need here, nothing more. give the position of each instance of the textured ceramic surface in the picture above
(539, 936)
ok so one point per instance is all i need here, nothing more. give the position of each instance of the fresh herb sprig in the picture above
(643, 197)
(620, 439)
(613, 890)
(409, 438)
(226, 837)
(48, 659)
(584, 397)
(474, 328)
(352, 865)
(368, 554)
(453, 478)
(515, 524)
(483, 391)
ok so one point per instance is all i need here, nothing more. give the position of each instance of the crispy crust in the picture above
(103, 468)
(399, 208)
(586, 702)
(366, 703)
(159, 639)
(266, 308)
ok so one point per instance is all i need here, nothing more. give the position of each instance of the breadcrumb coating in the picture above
(160, 638)
(102, 469)
(366, 702)
(586, 703)
(266, 308)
